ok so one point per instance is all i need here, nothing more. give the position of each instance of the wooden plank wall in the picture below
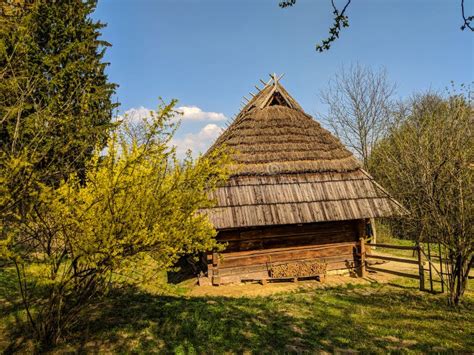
(252, 251)
(287, 236)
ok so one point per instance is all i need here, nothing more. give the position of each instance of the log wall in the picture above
(251, 252)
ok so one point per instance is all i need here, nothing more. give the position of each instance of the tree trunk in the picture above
(459, 278)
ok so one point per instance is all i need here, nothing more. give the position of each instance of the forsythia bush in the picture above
(137, 201)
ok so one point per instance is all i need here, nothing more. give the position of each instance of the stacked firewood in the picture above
(298, 269)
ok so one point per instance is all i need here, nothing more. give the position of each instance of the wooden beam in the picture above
(391, 246)
(421, 270)
(275, 251)
(363, 271)
(374, 232)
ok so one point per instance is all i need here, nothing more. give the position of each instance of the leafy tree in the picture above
(426, 162)
(51, 60)
(137, 202)
(341, 20)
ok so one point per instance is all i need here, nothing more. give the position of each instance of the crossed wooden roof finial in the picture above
(275, 78)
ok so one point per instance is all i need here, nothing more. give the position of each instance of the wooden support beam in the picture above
(363, 270)
(374, 232)
(215, 259)
(429, 267)
(216, 279)
(441, 267)
(421, 270)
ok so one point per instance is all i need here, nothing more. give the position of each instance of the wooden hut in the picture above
(296, 196)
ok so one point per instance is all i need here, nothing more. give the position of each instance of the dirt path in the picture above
(393, 266)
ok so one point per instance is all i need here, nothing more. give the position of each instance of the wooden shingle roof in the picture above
(287, 169)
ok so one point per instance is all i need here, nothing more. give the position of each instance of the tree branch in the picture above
(467, 20)
(341, 20)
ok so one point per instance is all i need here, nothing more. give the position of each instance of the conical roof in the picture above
(273, 134)
(288, 169)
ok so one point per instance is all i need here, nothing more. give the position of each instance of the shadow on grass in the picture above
(178, 324)
(374, 318)
(351, 319)
(12, 322)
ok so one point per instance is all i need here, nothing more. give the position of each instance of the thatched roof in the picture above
(289, 170)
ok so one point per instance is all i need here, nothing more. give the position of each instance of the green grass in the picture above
(374, 318)
(385, 237)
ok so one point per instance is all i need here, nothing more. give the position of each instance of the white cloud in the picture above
(135, 114)
(197, 142)
(188, 113)
(196, 114)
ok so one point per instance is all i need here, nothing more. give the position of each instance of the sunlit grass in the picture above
(376, 318)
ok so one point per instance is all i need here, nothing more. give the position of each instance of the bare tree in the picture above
(360, 104)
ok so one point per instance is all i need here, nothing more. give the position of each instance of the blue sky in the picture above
(209, 53)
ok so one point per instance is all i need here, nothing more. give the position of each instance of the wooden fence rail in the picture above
(390, 246)
(420, 254)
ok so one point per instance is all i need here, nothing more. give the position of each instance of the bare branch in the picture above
(359, 102)
(467, 20)
(341, 20)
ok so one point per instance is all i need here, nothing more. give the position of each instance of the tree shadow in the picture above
(197, 324)
(11, 310)
(135, 321)
(336, 320)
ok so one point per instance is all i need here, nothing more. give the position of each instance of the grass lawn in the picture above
(375, 317)
(385, 237)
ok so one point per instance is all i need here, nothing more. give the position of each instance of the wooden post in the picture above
(441, 267)
(216, 279)
(421, 270)
(429, 267)
(363, 269)
(209, 264)
(374, 232)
